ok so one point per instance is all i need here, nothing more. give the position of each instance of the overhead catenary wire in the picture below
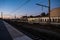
(21, 6)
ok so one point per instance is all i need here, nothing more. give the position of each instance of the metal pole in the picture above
(49, 10)
(26, 18)
(15, 16)
(2, 15)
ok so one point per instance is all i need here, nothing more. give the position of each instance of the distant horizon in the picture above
(10, 8)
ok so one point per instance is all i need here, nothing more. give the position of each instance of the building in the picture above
(54, 17)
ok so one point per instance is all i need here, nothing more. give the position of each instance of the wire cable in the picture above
(21, 6)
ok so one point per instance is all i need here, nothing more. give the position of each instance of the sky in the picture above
(25, 7)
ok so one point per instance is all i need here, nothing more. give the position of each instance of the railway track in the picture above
(33, 33)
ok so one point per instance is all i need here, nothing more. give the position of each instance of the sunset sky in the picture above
(23, 7)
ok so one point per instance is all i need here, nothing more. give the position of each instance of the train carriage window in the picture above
(45, 20)
(53, 20)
